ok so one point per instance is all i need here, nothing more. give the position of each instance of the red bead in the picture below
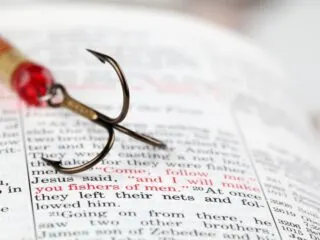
(31, 81)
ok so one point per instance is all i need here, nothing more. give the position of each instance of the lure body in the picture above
(28, 79)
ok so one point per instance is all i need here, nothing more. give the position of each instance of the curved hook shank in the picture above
(58, 165)
(125, 89)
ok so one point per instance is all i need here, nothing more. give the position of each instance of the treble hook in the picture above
(65, 100)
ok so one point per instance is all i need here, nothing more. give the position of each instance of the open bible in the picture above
(241, 163)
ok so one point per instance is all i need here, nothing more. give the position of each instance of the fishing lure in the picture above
(35, 85)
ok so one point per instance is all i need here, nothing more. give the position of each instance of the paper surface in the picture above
(239, 165)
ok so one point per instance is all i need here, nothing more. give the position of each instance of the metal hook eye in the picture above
(57, 94)
(58, 165)
(125, 89)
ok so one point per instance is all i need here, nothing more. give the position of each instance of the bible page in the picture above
(240, 163)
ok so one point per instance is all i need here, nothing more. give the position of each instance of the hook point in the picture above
(53, 163)
(102, 57)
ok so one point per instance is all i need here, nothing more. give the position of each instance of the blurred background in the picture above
(287, 29)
